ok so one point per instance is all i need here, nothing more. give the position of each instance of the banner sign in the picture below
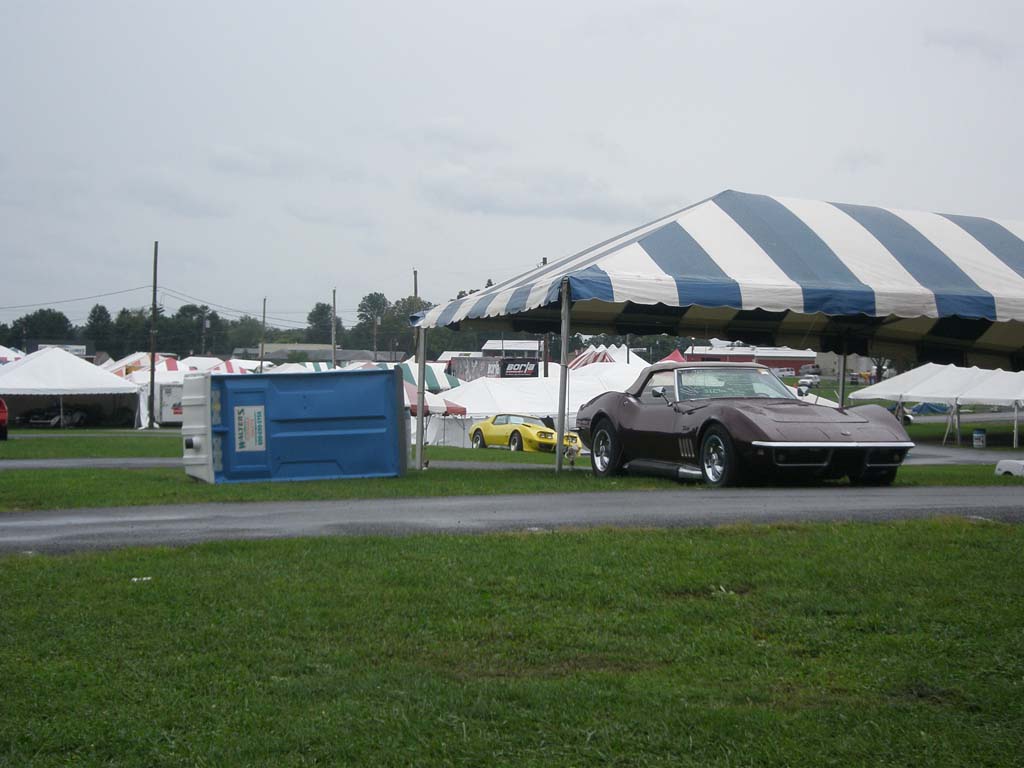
(519, 368)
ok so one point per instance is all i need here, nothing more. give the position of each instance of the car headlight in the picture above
(545, 435)
(572, 438)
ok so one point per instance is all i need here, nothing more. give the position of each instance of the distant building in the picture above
(314, 353)
(776, 358)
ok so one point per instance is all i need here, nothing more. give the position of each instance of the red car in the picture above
(729, 422)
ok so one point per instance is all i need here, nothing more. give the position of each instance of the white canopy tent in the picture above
(53, 374)
(954, 386)
(8, 355)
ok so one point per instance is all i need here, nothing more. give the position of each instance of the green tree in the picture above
(5, 332)
(319, 328)
(99, 328)
(42, 325)
(244, 332)
(372, 305)
(131, 332)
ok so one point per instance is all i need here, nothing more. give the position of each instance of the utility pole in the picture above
(203, 333)
(152, 341)
(263, 333)
(376, 322)
(334, 327)
(415, 284)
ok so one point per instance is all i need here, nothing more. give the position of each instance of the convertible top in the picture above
(636, 389)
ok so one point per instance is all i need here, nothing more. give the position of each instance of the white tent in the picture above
(52, 373)
(199, 364)
(951, 385)
(8, 355)
(1001, 388)
(897, 387)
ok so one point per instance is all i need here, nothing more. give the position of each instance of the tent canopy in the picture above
(948, 384)
(54, 372)
(772, 270)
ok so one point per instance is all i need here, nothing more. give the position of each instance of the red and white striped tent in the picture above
(591, 355)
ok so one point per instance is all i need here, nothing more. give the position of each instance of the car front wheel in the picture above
(718, 460)
(606, 452)
(515, 443)
(478, 440)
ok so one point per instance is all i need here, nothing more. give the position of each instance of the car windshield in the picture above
(703, 383)
(525, 420)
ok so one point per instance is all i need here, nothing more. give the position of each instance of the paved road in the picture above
(63, 531)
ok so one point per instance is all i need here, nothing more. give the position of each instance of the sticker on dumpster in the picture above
(250, 428)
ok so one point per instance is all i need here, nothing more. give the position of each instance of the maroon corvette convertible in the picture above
(731, 422)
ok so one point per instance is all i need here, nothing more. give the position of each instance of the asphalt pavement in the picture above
(70, 530)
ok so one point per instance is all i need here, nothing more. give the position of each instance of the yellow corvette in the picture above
(519, 433)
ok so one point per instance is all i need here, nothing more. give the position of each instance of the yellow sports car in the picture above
(519, 433)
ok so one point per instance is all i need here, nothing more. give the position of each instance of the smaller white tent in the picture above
(53, 374)
(8, 355)
(897, 387)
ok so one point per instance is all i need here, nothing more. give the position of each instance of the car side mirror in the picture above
(658, 392)
(802, 391)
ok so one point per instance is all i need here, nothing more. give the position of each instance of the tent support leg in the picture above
(1016, 421)
(842, 375)
(563, 376)
(956, 418)
(62, 411)
(421, 379)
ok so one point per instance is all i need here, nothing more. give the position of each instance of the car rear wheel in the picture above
(606, 452)
(718, 460)
(515, 442)
(478, 440)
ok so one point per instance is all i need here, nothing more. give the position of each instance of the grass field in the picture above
(71, 488)
(882, 645)
(92, 447)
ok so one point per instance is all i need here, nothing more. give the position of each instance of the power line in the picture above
(71, 301)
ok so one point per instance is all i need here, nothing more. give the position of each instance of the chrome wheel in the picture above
(714, 459)
(478, 439)
(515, 443)
(602, 451)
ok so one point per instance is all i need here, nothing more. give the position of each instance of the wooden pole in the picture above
(263, 334)
(334, 324)
(152, 342)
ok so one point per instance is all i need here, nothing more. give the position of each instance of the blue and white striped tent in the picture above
(773, 270)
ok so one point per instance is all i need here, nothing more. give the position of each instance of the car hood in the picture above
(781, 420)
(795, 412)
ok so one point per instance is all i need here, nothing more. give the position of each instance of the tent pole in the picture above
(957, 421)
(421, 378)
(842, 375)
(563, 376)
(1016, 421)
(62, 411)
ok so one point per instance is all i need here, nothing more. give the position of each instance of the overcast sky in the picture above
(282, 149)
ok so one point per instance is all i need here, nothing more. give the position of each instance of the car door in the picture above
(648, 422)
(500, 430)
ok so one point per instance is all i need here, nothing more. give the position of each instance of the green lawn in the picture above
(883, 645)
(26, 489)
(75, 445)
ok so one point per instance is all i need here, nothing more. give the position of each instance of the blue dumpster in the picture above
(304, 426)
